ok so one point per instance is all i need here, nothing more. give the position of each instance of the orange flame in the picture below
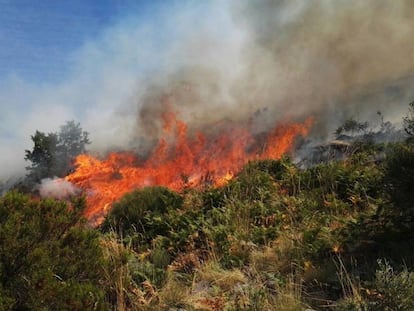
(178, 161)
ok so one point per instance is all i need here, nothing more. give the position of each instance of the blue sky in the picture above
(37, 38)
(69, 59)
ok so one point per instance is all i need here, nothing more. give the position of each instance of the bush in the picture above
(390, 290)
(48, 259)
(399, 178)
(396, 289)
(142, 214)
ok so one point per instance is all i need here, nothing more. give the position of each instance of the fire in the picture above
(179, 161)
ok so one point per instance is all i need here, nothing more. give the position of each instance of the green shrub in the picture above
(252, 184)
(389, 290)
(275, 168)
(142, 213)
(152, 268)
(396, 289)
(48, 259)
(399, 178)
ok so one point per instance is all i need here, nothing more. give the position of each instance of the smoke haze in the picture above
(57, 188)
(223, 61)
(294, 58)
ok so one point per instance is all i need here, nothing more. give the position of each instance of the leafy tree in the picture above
(43, 155)
(49, 259)
(53, 153)
(72, 140)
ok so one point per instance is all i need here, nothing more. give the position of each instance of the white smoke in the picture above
(57, 188)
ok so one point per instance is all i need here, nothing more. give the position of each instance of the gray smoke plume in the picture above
(350, 57)
(328, 59)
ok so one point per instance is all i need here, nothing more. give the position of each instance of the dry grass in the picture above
(212, 274)
(174, 294)
(126, 295)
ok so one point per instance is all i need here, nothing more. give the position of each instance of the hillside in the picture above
(333, 236)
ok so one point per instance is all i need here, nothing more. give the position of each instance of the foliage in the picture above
(72, 140)
(399, 178)
(42, 157)
(396, 289)
(304, 216)
(141, 214)
(351, 126)
(409, 121)
(120, 258)
(48, 259)
(389, 290)
(53, 153)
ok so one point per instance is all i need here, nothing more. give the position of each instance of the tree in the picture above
(53, 153)
(43, 156)
(72, 140)
(409, 121)
(385, 126)
(351, 126)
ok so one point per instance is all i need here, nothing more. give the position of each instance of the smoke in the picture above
(57, 188)
(232, 60)
(333, 60)
(336, 58)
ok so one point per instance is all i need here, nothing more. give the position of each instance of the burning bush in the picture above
(181, 159)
